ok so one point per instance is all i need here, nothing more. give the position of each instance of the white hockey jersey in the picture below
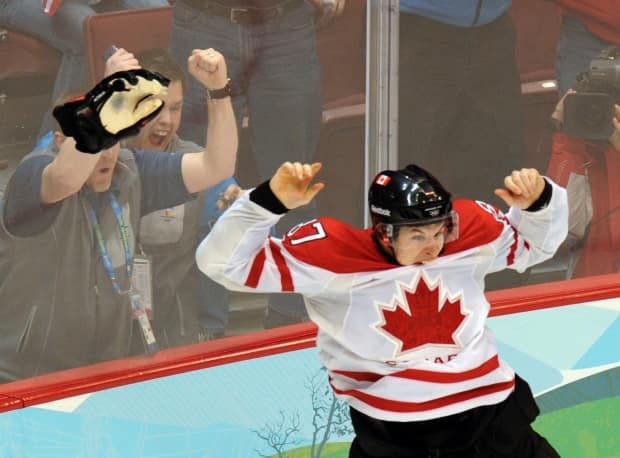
(401, 343)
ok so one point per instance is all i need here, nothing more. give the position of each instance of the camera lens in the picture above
(594, 115)
(589, 115)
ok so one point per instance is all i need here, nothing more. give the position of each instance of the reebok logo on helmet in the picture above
(434, 211)
(380, 211)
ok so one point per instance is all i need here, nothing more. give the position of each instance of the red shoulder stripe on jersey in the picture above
(391, 405)
(428, 376)
(285, 273)
(256, 270)
(510, 259)
(479, 223)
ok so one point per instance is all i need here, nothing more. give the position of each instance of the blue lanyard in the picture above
(107, 262)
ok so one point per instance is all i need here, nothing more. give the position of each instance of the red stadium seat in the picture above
(341, 47)
(27, 75)
(25, 56)
(538, 27)
(341, 150)
(134, 30)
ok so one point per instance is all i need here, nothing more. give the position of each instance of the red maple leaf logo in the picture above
(422, 320)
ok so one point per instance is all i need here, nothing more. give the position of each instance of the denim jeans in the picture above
(63, 31)
(276, 80)
(576, 48)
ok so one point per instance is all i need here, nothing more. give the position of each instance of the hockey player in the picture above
(400, 306)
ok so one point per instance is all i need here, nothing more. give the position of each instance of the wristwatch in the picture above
(214, 94)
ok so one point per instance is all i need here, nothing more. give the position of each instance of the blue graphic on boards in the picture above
(605, 349)
(228, 411)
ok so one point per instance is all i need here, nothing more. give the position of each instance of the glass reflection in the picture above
(475, 102)
(476, 97)
(297, 78)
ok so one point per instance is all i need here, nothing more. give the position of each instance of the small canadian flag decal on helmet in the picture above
(383, 180)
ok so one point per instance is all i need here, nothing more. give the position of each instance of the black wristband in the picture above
(543, 200)
(264, 196)
(215, 94)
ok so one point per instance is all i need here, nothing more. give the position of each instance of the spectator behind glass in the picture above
(588, 26)
(63, 31)
(270, 47)
(589, 169)
(460, 96)
(66, 212)
(182, 296)
(400, 307)
(459, 91)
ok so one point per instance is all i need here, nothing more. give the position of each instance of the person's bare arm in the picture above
(217, 161)
(67, 173)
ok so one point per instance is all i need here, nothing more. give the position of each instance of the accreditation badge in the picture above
(142, 283)
(145, 324)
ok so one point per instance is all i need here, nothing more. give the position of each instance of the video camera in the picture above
(589, 111)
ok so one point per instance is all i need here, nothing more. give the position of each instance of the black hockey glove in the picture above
(116, 108)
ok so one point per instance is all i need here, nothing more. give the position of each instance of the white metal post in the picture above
(381, 89)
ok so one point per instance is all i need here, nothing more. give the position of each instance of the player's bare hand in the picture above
(209, 67)
(521, 188)
(293, 183)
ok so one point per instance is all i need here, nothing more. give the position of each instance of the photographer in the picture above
(585, 159)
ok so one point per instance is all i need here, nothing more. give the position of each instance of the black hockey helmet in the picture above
(410, 196)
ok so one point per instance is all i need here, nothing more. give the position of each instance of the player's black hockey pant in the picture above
(498, 431)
